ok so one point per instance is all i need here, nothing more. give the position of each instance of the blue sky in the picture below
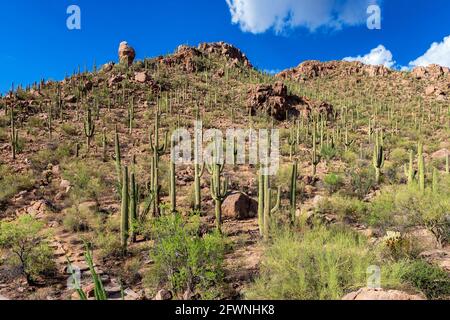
(35, 42)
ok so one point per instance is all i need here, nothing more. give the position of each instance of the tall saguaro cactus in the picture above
(378, 158)
(157, 151)
(89, 128)
(293, 190)
(421, 167)
(409, 171)
(133, 203)
(124, 227)
(173, 182)
(14, 135)
(315, 158)
(118, 160)
(219, 190)
(269, 210)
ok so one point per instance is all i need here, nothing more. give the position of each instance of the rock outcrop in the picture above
(432, 71)
(381, 294)
(275, 101)
(126, 53)
(316, 69)
(227, 50)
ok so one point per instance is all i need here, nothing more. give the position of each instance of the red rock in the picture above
(239, 206)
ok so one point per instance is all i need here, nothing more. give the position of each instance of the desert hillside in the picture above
(88, 190)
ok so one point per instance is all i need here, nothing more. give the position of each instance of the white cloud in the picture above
(258, 16)
(377, 56)
(439, 53)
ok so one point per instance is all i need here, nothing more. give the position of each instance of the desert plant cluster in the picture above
(93, 205)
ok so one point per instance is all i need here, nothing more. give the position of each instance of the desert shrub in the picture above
(183, 259)
(346, 208)
(431, 280)
(399, 156)
(349, 157)
(319, 264)
(109, 244)
(53, 154)
(35, 122)
(69, 129)
(88, 179)
(333, 182)
(328, 152)
(27, 242)
(11, 183)
(80, 219)
(404, 206)
(361, 181)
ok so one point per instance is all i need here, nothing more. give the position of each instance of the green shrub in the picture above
(405, 206)
(183, 259)
(321, 264)
(345, 207)
(88, 179)
(333, 182)
(53, 154)
(81, 219)
(11, 183)
(362, 181)
(27, 243)
(431, 280)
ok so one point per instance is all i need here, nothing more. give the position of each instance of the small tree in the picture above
(25, 240)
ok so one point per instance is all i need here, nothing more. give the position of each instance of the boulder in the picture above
(441, 154)
(108, 67)
(126, 54)
(115, 79)
(439, 257)
(381, 294)
(141, 77)
(239, 206)
(164, 295)
(422, 239)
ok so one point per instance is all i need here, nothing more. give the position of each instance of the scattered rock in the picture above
(239, 206)
(164, 295)
(126, 54)
(108, 67)
(381, 294)
(439, 257)
(141, 77)
(422, 239)
(441, 154)
(115, 79)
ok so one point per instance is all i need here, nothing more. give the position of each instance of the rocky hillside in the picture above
(363, 155)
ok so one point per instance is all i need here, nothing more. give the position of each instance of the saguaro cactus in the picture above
(268, 209)
(219, 190)
(89, 128)
(14, 136)
(378, 159)
(409, 171)
(118, 160)
(173, 184)
(315, 158)
(124, 227)
(421, 165)
(293, 190)
(157, 151)
(261, 202)
(133, 206)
